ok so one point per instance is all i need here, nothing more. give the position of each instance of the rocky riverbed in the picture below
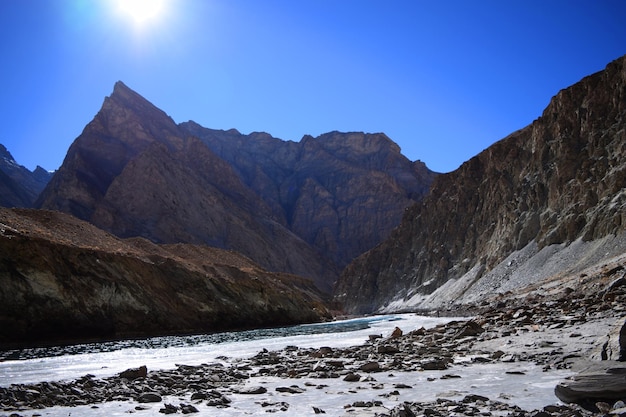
(522, 341)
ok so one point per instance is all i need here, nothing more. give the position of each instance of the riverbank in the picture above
(506, 360)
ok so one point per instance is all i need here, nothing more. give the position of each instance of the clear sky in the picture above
(443, 78)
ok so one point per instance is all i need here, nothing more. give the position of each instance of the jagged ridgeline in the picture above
(128, 237)
(19, 187)
(306, 208)
(546, 201)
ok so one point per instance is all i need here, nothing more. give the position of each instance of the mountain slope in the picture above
(62, 279)
(19, 187)
(560, 179)
(134, 172)
(340, 192)
(304, 208)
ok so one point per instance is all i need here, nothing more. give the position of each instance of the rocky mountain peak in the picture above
(5, 154)
(358, 142)
(306, 208)
(19, 187)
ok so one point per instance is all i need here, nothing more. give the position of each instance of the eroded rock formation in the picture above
(560, 179)
(305, 208)
(62, 279)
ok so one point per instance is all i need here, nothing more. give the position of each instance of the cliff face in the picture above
(134, 172)
(304, 208)
(558, 180)
(62, 279)
(340, 192)
(19, 187)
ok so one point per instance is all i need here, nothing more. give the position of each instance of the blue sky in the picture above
(444, 79)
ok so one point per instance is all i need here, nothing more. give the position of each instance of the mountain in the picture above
(63, 280)
(304, 208)
(342, 193)
(19, 187)
(547, 200)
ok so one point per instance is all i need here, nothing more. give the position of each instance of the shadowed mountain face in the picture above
(306, 208)
(62, 279)
(559, 180)
(340, 192)
(19, 187)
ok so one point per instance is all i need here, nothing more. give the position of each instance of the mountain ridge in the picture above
(19, 187)
(305, 208)
(555, 181)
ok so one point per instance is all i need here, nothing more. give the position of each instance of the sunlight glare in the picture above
(141, 10)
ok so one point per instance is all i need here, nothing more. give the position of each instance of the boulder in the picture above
(587, 389)
(134, 373)
(149, 397)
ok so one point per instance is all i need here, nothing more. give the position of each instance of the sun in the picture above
(141, 10)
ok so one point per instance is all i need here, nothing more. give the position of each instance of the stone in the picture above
(134, 373)
(188, 409)
(294, 389)
(435, 365)
(352, 377)
(149, 397)
(169, 409)
(471, 328)
(397, 332)
(587, 389)
(370, 367)
(253, 390)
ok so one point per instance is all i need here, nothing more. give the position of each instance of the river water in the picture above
(530, 387)
(109, 358)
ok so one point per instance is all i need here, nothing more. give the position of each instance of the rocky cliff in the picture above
(62, 279)
(19, 187)
(340, 192)
(548, 198)
(304, 208)
(134, 172)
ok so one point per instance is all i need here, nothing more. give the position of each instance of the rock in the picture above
(149, 397)
(352, 377)
(135, 373)
(188, 409)
(317, 410)
(587, 389)
(169, 409)
(466, 228)
(613, 346)
(19, 187)
(472, 398)
(397, 332)
(471, 328)
(294, 389)
(181, 294)
(253, 390)
(435, 365)
(370, 367)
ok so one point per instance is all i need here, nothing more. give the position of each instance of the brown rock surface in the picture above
(304, 208)
(63, 279)
(342, 193)
(560, 179)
